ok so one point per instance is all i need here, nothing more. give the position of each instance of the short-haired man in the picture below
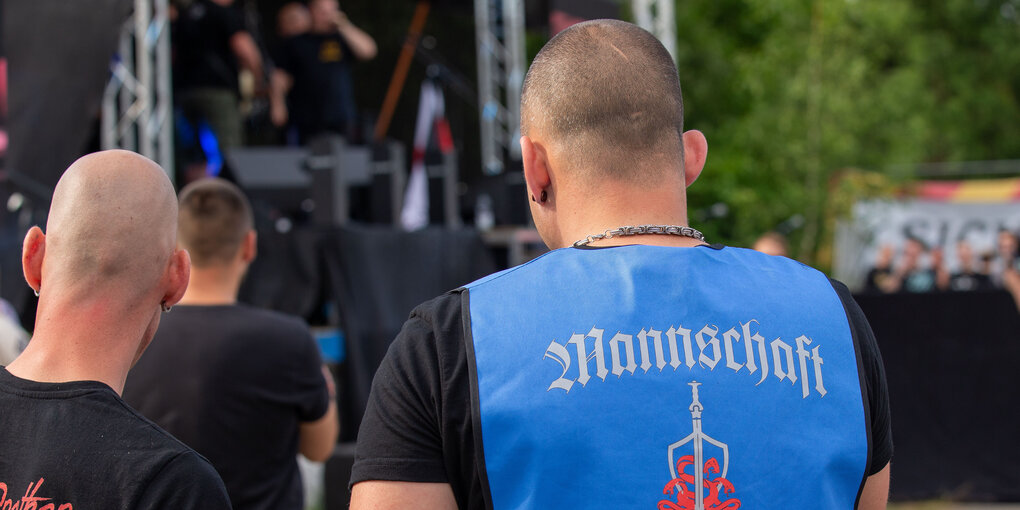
(312, 88)
(244, 387)
(105, 270)
(640, 368)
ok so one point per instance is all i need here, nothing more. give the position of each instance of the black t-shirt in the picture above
(418, 423)
(968, 281)
(77, 445)
(202, 54)
(235, 383)
(875, 278)
(322, 97)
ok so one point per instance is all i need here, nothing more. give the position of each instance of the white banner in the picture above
(937, 224)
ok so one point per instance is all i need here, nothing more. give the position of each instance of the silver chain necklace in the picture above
(673, 230)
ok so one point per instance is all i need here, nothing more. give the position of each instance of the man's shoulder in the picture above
(112, 444)
(137, 431)
(90, 415)
(440, 318)
(441, 306)
(243, 316)
(435, 330)
(169, 459)
(182, 478)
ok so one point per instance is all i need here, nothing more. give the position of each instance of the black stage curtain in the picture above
(951, 362)
(286, 273)
(378, 275)
(58, 56)
(374, 274)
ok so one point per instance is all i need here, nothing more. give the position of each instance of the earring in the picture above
(166, 309)
(545, 196)
(36, 291)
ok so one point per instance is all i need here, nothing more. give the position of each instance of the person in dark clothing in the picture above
(104, 271)
(1007, 256)
(210, 48)
(967, 277)
(245, 387)
(1008, 275)
(910, 275)
(634, 365)
(879, 277)
(312, 87)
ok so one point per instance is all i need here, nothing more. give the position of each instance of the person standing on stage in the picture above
(312, 87)
(635, 365)
(105, 271)
(211, 46)
(244, 387)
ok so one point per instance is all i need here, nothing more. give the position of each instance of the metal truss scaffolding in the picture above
(499, 29)
(659, 18)
(137, 102)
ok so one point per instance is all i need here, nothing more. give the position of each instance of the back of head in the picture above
(293, 19)
(110, 226)
(771, 243)
(214, 218)
(607, 93)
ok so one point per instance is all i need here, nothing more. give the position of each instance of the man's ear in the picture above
(32, 253)
(249, 247)
(695, 152)
(178, 273)
(536, 167)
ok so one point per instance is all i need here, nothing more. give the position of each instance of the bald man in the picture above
(634, 366)
(105, 270)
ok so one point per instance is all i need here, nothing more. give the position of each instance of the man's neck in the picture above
(615, 207)
(213, 285)
(84, 340)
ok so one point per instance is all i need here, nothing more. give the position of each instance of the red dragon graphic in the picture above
(682, 488)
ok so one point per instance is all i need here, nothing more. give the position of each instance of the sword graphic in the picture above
(698, 438)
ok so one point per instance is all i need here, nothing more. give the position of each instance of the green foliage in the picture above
(789, 92)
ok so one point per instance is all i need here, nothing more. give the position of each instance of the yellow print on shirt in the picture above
(330, 51)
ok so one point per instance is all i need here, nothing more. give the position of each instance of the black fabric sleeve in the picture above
(400, 436)
(875, 386)
(187, 481)
(418, 424)
(309, 389)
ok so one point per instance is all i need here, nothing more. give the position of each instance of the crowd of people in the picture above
(602, 374)
(921, 268)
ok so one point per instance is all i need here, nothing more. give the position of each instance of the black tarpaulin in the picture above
(951, 361)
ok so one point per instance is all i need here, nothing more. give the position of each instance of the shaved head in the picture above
(607, 93)
(112, 224)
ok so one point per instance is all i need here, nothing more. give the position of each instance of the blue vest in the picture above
(632, 377)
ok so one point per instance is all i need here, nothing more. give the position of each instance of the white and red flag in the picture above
(431, 119)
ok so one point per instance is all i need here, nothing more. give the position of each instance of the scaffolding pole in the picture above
(499, 33)
(659, 18)
(137, 110)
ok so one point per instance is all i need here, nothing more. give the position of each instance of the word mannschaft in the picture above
(677, 346)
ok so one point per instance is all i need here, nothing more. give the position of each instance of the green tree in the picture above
(789, 92)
